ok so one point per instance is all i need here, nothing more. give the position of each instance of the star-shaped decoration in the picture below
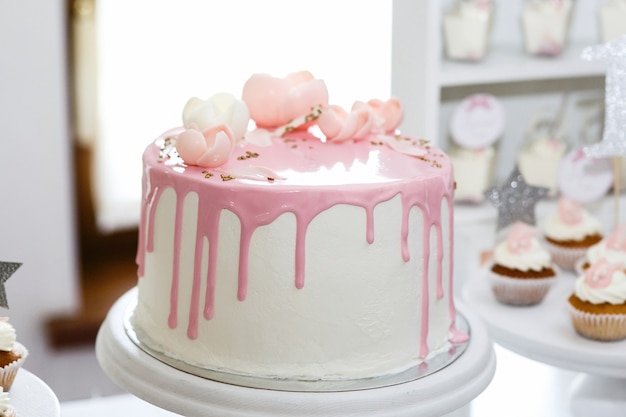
(614, 136)
(6, 270)
(515, 200)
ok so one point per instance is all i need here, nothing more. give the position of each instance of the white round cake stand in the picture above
(544, 332)
(31, 397)
(164, 386)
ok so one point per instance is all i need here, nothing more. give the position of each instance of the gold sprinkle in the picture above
(270, 179)
(227, 177)
(207, 174)
(294, 146)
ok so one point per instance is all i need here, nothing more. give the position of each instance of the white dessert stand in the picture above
(31, 397)
(544, 332)
(437, 394)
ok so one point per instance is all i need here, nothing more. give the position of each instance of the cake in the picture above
(598, 304)
(466, 27)
(539, 161)
(612, 18)
(473, 169)
(12, 354)
(545, 24)
(612, 248)
(319, 247)
(522, 271)
(569, 232)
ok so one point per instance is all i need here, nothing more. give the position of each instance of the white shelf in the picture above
(510, 64)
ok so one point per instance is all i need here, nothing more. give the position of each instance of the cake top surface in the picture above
(297, 139)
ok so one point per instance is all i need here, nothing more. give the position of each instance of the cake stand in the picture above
(439, 393)
(544, 332)
(31, 397)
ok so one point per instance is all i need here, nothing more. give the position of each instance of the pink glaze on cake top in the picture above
(364, 169)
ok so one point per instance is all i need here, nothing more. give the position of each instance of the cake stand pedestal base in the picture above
(597, 395)
(146, 377)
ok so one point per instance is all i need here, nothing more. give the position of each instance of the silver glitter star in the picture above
(614, 137)
(515, 200)
(6, 270)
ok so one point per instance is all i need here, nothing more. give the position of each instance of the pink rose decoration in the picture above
(570, 211)
(209, 148)
(520, 238)
(389, 114)
(339, 125)
(617, 239)
(273, 102)
(599, 275)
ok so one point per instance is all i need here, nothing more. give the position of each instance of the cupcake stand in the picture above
(31, 397)
(436, 388)
(544, 333)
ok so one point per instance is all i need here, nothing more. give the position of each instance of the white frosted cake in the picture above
(318, 247)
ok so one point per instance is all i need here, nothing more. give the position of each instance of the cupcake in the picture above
(522, 270)
(612, 248)
(569, 232)
(12, 354)
(5, 405)
(598, 304)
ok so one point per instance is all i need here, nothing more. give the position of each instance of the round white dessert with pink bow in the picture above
(316, 246)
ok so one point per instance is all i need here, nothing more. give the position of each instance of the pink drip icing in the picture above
(259, 206)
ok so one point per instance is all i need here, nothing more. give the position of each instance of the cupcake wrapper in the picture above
(520, 291)
(566, 258)
(9, 372)
(603, 327)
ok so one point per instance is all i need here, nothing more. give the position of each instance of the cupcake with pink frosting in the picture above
(569, 232)
(522, 271)
(598, 304)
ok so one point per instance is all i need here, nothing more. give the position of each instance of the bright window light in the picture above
(153, 55)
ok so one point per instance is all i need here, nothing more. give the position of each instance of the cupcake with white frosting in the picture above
(612, 248)
(12, 354)
(522, 271)
(598, 304)
(569, 232)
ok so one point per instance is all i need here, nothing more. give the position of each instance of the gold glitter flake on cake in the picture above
(167, 150)
(226, 177)
(207, 174)
(313, 115)
(248, 155)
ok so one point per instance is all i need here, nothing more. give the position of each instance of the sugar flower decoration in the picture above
(274, 102)
(212, 129)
